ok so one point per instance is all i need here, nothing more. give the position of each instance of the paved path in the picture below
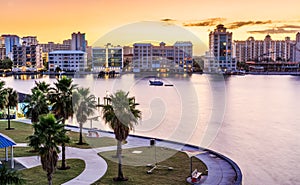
(95, 166)
(220, 172)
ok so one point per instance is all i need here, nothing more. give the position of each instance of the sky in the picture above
(56, 20)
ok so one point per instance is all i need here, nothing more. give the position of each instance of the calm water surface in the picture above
(252, 119)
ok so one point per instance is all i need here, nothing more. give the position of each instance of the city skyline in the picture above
(56, 20)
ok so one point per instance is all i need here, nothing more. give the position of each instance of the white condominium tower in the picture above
(220, 45)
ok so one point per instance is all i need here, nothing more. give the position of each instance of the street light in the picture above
(156, 165)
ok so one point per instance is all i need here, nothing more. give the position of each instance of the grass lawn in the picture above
(91, 142)
(19, 133)
(37, 175)
(19, 152)
(22, 130)
(135, 161)
(101, 141)
(135, 166)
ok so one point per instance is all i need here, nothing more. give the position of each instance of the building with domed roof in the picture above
(220, 48)
(263, 50)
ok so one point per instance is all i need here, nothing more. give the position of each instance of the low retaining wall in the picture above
(239, 176)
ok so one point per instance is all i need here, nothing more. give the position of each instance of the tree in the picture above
(58, 69)
(38, 101)
(48, 134)
(6, 63)
(42, 86)
(121, 115)
(3, 95)
(10, 176)
(84, 106)
(61, 100)
(12, 101)
(37, 105)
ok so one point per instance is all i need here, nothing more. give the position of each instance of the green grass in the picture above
(22, 130)
(135, 167)
(19, 133)
(101, 141)
(37, 175)
(134, 160)
(90, 142)
(19, 152)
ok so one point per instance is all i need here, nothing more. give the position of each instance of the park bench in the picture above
(196, 176)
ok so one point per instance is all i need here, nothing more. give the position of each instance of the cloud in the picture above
(206, 22)
(238, 24)
(289, 26)
(167, 20)
(277, 30)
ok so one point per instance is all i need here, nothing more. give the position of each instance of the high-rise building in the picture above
(89, 53)
(162, 58)
(127, 50)
(78, 41)
(51, 46)
(183, 55)
(2, 48)
(109, 58)
(211, 64)
(9, 41)
(67, 42)
(127, 58)
(28, 57)
(220, 45)
(263, 50)
(30, 40)
(142, 57)
(2, 53)
(67, 60)
(295, 51)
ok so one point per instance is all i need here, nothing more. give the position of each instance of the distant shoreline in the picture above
(4, 74)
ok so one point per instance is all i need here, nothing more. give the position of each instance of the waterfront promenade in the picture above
(221, 170)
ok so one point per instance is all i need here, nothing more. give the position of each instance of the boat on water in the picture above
(156, 82)
(232, 72)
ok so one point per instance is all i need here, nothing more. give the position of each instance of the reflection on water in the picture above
(260, 128)
(252, 119)
(27, 77)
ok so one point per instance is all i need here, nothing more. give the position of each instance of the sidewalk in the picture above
(220, 169)
(95, 166)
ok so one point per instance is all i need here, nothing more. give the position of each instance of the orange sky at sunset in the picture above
(55, 20)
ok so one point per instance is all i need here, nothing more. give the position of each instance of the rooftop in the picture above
(5, 141)
(67, 52)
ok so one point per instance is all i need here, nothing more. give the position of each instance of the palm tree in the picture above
(12, 101)
(10, 176)
(121, 114)
(3, 95)
(42, 86)
(37, 102)
(37, 105)
(48, 134)
(84, 106)
(61, 99)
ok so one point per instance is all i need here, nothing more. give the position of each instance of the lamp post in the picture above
(106, 98)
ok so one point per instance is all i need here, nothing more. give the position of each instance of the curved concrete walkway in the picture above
(220, 171)
(95, 166)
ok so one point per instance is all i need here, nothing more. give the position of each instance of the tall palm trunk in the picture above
(8, 118)
(63, 153)
(80, 134)
(119, 151)
(49, 176)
